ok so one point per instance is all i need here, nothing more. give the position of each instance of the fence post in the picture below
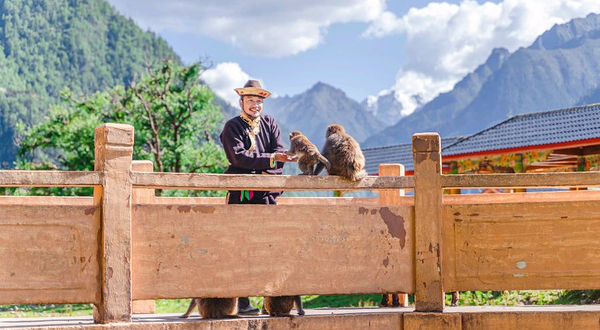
(429, 292)
(146, 196)
(113, 152)
(390, 197)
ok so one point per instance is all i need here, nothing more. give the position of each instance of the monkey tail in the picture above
(325, 162)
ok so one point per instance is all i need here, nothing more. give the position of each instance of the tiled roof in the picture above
(558, 126)
(398, 154)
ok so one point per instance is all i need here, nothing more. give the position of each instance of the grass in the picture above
(469, 298)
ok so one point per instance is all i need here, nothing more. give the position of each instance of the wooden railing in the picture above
(125, 244)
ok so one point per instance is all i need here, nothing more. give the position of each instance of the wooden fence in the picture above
(124, 244)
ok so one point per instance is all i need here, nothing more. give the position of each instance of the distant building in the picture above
(565, 140)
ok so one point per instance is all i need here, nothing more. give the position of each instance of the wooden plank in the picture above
(141, 195)
(13, 178)
(48, 254)
(519, 246)
(203, 181)
(539, 320)
(281, 200)
(393, 197)
(522, 180)
(539, 197)
(114, 149)
(46, 200)
(255, 250)
(429, 293)
(432, 321)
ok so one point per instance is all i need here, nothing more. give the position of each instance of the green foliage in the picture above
(47, 45)
(510, 298)
(50, 310)
(173, 115)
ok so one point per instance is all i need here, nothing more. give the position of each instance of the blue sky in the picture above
(364, 47)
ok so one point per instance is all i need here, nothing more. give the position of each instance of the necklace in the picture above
(253, 130)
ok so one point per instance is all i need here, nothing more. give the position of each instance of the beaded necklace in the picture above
(253, 130)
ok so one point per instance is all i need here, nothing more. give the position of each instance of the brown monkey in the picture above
(307, 152)
(212, 308)
(281, 306)
(343, 153)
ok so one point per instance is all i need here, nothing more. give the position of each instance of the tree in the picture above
(173, 114)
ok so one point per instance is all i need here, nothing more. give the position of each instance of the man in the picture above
(253, 145)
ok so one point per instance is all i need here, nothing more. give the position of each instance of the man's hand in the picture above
(281, 157)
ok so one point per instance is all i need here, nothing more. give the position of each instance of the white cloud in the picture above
(224, 78)
(445, 41)
(261, 27)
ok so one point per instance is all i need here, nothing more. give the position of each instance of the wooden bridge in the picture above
(124, 244)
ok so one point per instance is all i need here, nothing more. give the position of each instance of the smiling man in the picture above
(253, 145)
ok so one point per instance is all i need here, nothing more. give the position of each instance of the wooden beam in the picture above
(143, 196)
(205, 181)
(49, 178)
(429, 292)
(186, 250)
(522, 245)
(114, 149)
(524, 180)
(392, 197)
(49, 252)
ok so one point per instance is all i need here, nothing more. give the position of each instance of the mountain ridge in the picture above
(560, 69)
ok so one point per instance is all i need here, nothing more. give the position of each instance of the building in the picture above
(564, 140)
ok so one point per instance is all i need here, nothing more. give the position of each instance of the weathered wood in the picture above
(48, 254)
(203, 181)
(432, 321)
(518, 246)
(393, 197)
(429, 292)
(316, 319)
(46, 200)
(255, 250)
(12, 178)
(390, 197)
(281, 201)
(114, 148)
(522, 180)
(143, 196)
(555, 196)
(536, 318)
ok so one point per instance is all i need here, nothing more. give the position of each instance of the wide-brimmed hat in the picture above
(252, 87)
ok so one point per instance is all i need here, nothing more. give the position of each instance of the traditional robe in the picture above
(236, 140)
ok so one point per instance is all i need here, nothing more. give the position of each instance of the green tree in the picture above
(174, 117)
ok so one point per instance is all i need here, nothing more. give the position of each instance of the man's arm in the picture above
(276, 146)
(233, 143)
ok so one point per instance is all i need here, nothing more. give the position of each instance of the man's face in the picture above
(252, 105)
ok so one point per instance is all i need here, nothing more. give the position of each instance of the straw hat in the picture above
(252, 87)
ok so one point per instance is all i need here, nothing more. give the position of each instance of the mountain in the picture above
(385, 107)
(560, 69)
(47, 45)
(443, 108)
(312, 111)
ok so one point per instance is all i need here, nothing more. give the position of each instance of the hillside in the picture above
(442, 109)
(312, 111)
(47, 45)
(560, 69)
